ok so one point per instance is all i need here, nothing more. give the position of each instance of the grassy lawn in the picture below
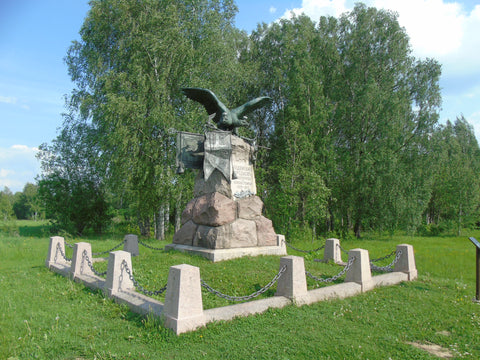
(46, 316)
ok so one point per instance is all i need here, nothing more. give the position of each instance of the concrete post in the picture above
(292, 284)
(360, 272)
(332, 251)
(406, 262)
(117, 277)
(131, 244)
(79, 263)
(281, 242)
(54, 256)
(183, 308)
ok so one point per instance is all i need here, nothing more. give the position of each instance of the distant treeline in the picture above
(23, 205)
(351, 141)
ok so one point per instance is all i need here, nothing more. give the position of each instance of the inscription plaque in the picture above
(190, 151)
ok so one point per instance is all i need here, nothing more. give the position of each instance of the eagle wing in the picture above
(208, 100)
(251, 105)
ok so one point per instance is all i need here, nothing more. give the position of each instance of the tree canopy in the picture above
(350, 142)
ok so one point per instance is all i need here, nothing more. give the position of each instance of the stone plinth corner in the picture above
(57, 244)
(292, 284)
(183, 308)
(131, 244)
(81, 251)
(117, 277)
(332, 251)
(360, 272)
(406, 262)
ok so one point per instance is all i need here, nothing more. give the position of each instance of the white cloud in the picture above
(435, 28)
(272, 10)
(18, 166)
(5, 173)
(8, 99)
(316, 8)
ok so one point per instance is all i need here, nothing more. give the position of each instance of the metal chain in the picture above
(342, 249)
(389, 267)
(69, 245)
(304, 251)
(333, 278)
(124, 266)
(59, 249)
(150, 247)
(247, 297)
(90, 265)
(108, 251)
(384, 257)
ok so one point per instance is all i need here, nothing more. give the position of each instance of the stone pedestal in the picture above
(406, 262)
(225, 212)
(360, 272)
(183, 309)
(293, 283)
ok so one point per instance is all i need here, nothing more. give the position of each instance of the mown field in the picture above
(46, 316)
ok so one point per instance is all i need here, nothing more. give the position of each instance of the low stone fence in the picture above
(183, 308)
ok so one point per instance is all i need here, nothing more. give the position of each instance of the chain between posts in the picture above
(86, 258)
(384, 257)
(342, 249)
(333, 278)
(124, 267)
(59, 249)
(304, 251)
(108, 251)
(247, 297)
(150, 247)
(389, 267)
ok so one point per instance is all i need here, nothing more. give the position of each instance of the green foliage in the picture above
(349, 143)
(70, 187)
(27, 204)
(456, 190)
(353, 112)
(6, 204)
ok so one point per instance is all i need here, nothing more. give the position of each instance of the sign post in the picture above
(477, 246)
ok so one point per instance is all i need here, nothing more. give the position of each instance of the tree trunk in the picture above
(144, 225)
(357, 228)
(160, 224)
(166, 218)
(178, 214)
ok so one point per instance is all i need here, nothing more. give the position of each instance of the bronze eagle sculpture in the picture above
(225, 118)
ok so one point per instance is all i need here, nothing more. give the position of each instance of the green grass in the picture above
(46, 316)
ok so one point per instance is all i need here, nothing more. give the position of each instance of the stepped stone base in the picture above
(216, 255)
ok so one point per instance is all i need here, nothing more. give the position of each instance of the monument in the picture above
(224, 219)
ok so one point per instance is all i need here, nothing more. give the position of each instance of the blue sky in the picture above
(35, 36)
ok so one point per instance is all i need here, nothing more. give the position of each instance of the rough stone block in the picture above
(250, 208)
(117, 277)
(292, 283)
(244, 234)
(360, 272)
(215, 183)
(332, 251)
(213, 237)
(183, 308)
(214, 209)
(187, 214)
(81, 251)
(186, 234)
(265, 233)
(131, 244)
(57, 244)
(406, 262)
